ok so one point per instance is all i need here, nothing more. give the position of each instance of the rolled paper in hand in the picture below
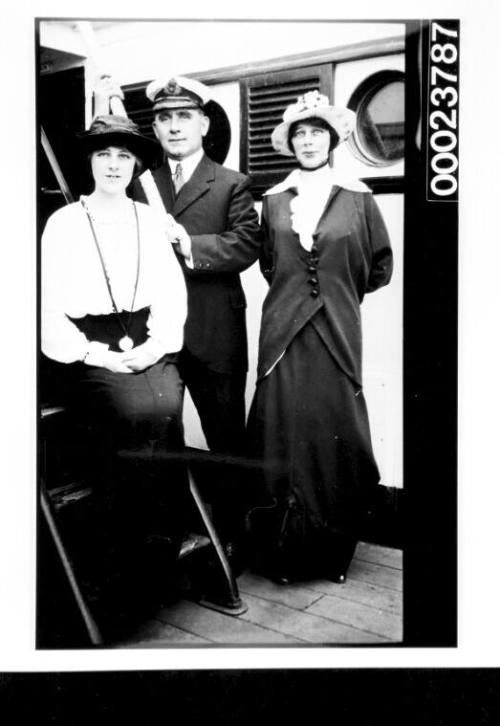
(154, 199)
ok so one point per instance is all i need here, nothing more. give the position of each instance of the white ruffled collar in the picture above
(293, 180)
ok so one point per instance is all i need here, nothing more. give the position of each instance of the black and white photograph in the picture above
(249, 361)
(230, 238)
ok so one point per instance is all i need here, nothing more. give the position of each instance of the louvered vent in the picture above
(266, 104)
(139, 108)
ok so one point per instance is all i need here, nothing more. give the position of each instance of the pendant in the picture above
(126, 343)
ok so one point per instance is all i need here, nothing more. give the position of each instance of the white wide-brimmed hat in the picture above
(313, 104)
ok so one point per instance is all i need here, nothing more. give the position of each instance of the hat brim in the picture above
(173, 104)
(340, 119)
(144, 148)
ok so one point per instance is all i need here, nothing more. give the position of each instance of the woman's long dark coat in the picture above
(308, 421)
(353, 257)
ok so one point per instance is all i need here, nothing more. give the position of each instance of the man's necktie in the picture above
(178, 179)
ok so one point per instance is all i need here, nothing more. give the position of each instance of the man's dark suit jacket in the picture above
(217, 210)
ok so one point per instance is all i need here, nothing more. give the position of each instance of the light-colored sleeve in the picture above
(169, 298)
(61, 339)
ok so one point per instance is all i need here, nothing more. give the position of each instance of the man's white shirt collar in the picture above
(189, 164)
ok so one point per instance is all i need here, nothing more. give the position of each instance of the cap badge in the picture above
(173, 88)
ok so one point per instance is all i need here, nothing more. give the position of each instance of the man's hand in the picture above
(177, 235)
(104, 90)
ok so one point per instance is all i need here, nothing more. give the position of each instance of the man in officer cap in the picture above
(215, 234)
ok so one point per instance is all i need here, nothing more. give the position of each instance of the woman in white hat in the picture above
(325, 245)
(113, 312)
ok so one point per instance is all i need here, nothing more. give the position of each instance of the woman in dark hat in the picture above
(113, 312)
(325, 245)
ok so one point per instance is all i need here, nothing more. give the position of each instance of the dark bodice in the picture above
(351, 255)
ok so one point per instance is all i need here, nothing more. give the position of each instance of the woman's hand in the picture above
(100, 356)
(139, 358)
(115, 363)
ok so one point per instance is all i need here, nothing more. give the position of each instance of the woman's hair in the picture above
(313, 121)
(139, 166)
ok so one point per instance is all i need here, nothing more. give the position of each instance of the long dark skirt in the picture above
(130, 449)
(308, 425)
(122, 414)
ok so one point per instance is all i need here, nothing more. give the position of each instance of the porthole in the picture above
(379, 103)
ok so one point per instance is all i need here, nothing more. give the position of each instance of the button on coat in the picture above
(351, 256)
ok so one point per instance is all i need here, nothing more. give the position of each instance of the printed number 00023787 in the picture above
(443, 120)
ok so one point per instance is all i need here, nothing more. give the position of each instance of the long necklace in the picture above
(125, 343)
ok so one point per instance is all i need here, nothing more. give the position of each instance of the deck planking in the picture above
(221, 628)
(306, 626)
(380, 555)
(366, 609)
(359, 615)
(376, 574)
(363, 592)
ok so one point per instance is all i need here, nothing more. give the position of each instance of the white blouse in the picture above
(313, 192)
(73, 282)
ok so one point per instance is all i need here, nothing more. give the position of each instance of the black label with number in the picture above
(442, 50)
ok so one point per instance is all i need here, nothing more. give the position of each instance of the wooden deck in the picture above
(366, 609)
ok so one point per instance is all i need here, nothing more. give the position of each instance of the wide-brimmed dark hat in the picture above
(119, 131)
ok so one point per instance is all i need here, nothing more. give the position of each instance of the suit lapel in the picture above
(198, 184)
